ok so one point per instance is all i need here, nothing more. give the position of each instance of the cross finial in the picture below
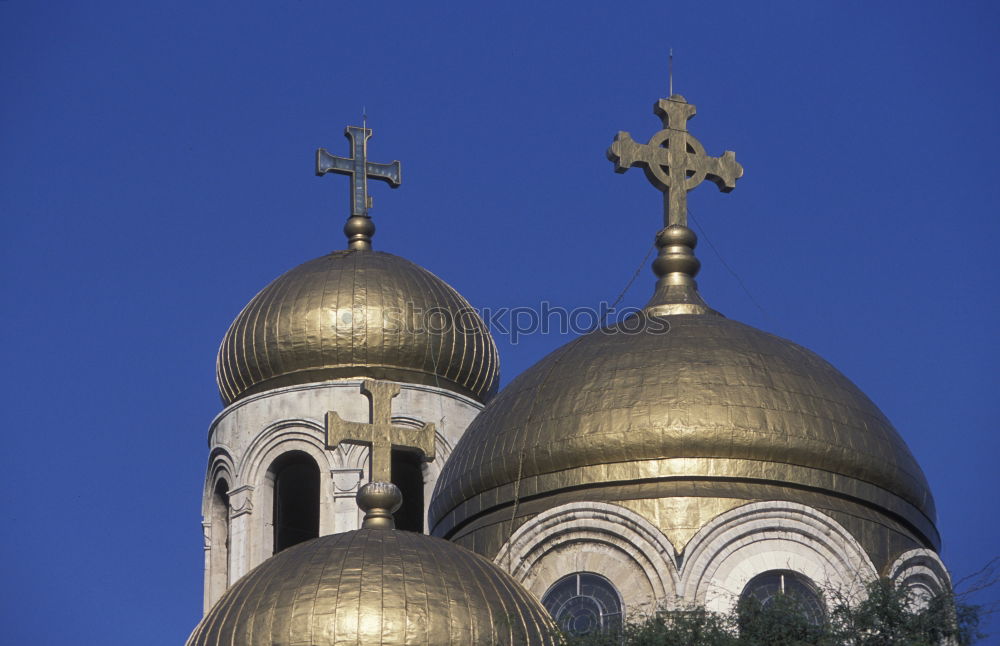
(674, 161)
(381, 435)
(359, 227)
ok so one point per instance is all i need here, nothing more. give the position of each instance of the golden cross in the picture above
(674, 161)
(380, 434)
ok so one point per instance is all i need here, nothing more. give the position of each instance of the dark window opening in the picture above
(220, 500)
(407, 474)
(219, 537)
(296, 500)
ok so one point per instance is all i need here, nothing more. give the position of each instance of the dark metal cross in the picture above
(673, 160)
(381, 435)
(359, 168)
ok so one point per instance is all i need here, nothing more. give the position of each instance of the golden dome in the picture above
(654, 402)
(357, 314)
(376, 587)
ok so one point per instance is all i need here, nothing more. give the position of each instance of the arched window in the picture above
(219, 537)
(296, 499)
(408, 475)
(584, 603)
(764, 588)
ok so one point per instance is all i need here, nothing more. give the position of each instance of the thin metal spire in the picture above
(670, 71)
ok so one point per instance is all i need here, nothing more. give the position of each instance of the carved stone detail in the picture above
(346, 482)
(241, 501)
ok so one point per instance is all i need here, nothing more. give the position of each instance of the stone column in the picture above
(206, 529)
(241, 516)
(346, 483)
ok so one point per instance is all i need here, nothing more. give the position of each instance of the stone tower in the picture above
(353, 354)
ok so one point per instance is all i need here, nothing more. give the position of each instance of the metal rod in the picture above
(670, 71)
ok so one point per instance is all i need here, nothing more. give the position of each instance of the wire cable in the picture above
(628, 285)
(732, 271)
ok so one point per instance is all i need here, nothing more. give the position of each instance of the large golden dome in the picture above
(680, 405)
(376, 587)
(357, 313)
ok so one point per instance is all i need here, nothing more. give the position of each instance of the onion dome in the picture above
(677, 400)
(378, 587)
(357, 313)
(643, 406)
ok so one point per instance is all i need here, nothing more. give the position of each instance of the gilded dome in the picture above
(685, 398)
(376, 587)
(357, 313)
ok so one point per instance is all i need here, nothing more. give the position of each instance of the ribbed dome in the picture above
(701, 399)
(357, 314)
(376, 587)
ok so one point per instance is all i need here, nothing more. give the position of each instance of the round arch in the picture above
(281, 438)
(600, 538)
(216, 524)
(220, 467)
(757, 537)
(922, 573)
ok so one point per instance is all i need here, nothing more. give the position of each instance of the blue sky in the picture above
(156, 171)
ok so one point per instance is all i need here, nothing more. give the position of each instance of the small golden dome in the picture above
(357, 314)
(376, 587)
(687, 398)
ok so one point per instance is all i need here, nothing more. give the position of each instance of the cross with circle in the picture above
(673, 160)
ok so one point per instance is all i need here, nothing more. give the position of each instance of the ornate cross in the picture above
(359, 168)
(674, 161)
(380, 435)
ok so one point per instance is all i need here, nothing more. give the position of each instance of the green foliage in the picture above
(783, 622)
(885, 616)
(889, 616)
(694, 627)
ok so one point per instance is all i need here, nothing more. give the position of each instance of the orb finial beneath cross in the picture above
(675, 163)
(379, 498)
(359, 228)
(379, 501)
